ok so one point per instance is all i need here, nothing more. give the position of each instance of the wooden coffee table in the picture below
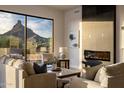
(64, 73)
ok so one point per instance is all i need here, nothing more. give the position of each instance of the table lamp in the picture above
(62, 52)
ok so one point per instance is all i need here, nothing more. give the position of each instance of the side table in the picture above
(66, 62)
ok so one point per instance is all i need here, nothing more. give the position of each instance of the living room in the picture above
(69, 26)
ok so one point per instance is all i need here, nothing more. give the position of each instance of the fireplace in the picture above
(97, 55)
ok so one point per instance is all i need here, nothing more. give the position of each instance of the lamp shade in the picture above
(62, 49)
(62, 52)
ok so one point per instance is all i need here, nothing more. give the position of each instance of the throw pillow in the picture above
(100, 75)
(10, 62)
(8, 59)
(2, 59)
(91, 72)
(40, 69)
(18, 64)
(28, 67)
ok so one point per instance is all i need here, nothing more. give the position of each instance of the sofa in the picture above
(15, 73)
(101, 76)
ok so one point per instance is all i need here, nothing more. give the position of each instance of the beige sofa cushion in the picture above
(76, 82)
(28, 67)
(91, 72)
(90, 84)
(115, 69)
(115, 76)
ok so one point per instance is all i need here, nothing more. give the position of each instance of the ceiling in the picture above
(63, 7)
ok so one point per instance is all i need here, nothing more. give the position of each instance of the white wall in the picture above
(72, 24)
(46, 12)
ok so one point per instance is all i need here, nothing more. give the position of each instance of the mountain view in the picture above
(17, 31)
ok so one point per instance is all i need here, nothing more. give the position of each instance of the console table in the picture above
(66, 62)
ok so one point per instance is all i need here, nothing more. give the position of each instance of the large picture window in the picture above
(25, 35)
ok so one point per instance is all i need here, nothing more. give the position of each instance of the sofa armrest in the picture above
(45, 80)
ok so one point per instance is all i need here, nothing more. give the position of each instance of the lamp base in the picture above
(62, 56)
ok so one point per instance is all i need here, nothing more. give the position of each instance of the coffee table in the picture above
(64, 73)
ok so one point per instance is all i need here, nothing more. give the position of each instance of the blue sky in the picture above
(8, 20)
(42, 27)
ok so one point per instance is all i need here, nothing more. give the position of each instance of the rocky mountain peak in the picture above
(18, 26)
(18, 32)
(19, 22)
